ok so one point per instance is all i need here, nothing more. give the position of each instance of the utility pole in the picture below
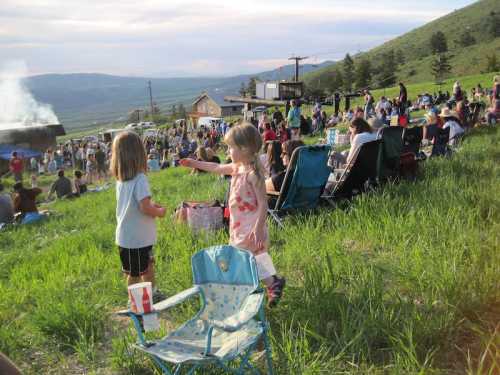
(150, 99)
(297, 59)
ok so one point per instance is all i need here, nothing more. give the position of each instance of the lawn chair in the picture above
(225, 330)
(390, 152)
(304, 182)
(412, 138)
(358, 175)
(411, 155)
(440, 146)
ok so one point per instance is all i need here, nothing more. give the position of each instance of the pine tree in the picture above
(348, 78)
(252, 85)
(386, 76)
(337, 81)
(182, 111)
(243, 89)
(363, 74)
(438, 42)
(440, 67)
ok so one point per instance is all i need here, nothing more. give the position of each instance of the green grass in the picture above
(402, 281)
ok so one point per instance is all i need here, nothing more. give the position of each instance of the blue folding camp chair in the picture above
(225, 330)
(304, 182)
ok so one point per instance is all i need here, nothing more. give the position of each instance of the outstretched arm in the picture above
(223, 169)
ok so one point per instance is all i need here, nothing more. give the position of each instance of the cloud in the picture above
(199, 36)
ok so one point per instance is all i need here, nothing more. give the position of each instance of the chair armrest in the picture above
(177, 299)
(167, 303)
(248, 311)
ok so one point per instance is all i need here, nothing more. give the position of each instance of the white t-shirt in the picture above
(134, 229)
(356, 143)
(455, 128)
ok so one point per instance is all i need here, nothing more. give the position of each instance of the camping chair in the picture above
(225, 330)
(412, 138)
(440, 146)
(390, 152)
(411, 155)
(304, 182)
(359, 174)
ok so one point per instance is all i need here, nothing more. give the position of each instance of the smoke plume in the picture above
(17, 105)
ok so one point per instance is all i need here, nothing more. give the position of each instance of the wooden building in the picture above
(213, 105)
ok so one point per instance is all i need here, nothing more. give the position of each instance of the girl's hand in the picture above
(186, 163)
(161, 211)
(257, 236)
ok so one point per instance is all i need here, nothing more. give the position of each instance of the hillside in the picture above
(415, 46)
(80, 100)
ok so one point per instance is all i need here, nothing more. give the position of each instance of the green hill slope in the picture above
(415, 46)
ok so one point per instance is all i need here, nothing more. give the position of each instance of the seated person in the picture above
(361, 133)
(205, 154)
(264, 161)
(62, 186)
(165, 162)
(273, 184)
(153, 164)
(24, 199)
(6, 207)
(451, 121)
(431, 126)
(269, 134)
(79, 184)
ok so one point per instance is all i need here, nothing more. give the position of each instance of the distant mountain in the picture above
(476, 20)
(81, 100)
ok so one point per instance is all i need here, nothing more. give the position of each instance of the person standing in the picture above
(135, 233)
(247, 202)
(403, 98)
(100, 158)
(16, 167)
(293, 119)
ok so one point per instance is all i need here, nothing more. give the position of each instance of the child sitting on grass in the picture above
(135, 211)
(247, 202)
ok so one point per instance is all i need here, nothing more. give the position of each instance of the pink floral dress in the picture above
(244, 214)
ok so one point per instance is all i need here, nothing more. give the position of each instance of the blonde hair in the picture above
(496, 79)
(246, 137)
(128, 157)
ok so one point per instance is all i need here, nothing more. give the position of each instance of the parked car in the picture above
(209, 121)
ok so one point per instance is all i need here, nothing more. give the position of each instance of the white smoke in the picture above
(17, 105)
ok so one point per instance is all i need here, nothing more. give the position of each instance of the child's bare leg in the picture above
(149, 275)
(133, 279)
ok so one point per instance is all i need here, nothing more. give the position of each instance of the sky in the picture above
(174, 38)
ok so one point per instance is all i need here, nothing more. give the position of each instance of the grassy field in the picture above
(401, 281)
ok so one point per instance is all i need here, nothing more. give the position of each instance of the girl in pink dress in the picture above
(247, 202)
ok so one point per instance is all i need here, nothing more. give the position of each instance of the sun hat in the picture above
(446, 112)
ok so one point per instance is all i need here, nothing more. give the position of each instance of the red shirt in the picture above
(269, 135)
(16, 165)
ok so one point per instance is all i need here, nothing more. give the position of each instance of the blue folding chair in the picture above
(304, 182)
(225, 330)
